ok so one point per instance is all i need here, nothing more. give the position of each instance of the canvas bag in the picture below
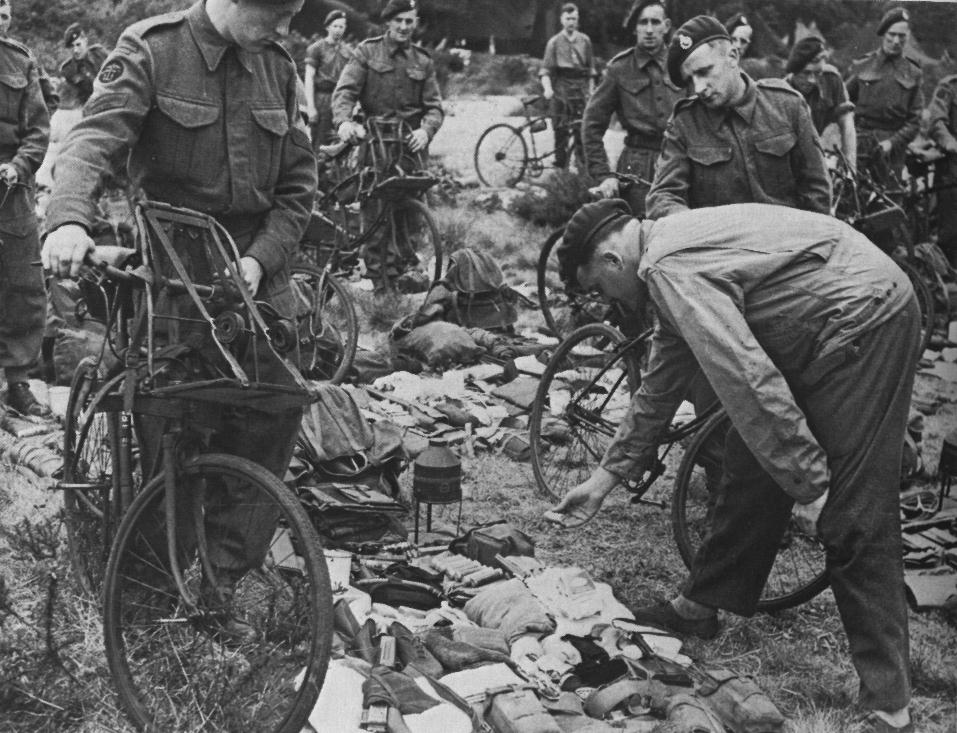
(474, 292)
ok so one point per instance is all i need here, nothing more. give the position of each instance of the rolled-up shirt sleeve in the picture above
(664, 384)
(709, 314)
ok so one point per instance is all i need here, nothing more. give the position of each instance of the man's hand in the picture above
(313, 114)
(351, 132)
(609, 188)
(252, 273)
(885, 146)
(65, 249)
(9, 173)
(582, 503)
(950, 147)
(418, 140)
(807, 515)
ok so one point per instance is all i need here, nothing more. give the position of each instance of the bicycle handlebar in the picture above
(100, 259)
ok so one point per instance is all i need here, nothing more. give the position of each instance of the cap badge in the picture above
(684, 41)
(744, 21)
(905, 15)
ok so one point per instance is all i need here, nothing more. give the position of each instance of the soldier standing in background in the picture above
(943, 129)
(50, 96)
(389, 76)
(24, 135)
(325, 60)
(885, 86)
(84, 64)
(568, 79)
(636, 88)
(824, 91)
(736, 140)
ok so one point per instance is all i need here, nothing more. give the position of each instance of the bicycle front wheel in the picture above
(798, 573)
(417, 237)
(179, 665)
(583, 395)
(329, 331)
(501, 156)
(90, 468)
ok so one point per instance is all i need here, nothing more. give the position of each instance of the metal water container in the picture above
(437, 474)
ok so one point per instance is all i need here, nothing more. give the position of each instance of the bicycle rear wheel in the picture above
(501, 156)
(329, 332)
(583, 395)
(925, 301)
(798, 573)
(90, 455)
(175, 666)
(564, 311)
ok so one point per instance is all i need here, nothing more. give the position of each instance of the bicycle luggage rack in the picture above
(240, 323)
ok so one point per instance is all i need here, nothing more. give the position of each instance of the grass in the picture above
(53, 674)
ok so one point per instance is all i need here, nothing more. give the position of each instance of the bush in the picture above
(553, 202)
(487, 74)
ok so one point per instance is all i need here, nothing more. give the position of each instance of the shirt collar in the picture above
(393, 47)
(644, 58)
(745, 108)
(211, 44)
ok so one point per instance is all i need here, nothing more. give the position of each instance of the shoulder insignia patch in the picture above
(111, 71)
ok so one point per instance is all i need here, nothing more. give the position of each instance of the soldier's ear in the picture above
(667, 26)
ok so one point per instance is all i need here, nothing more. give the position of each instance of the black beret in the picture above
(333, 16)
(894, 15)
(74, 31)
(394, 7)
(738, 19)
(582, 229)
(631, 20)
(698, 30)
(803, 53)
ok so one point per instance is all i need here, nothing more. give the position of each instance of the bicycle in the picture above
(174, 661)
(379, 194)
(584, 394)
(564, 308)
(865, 205)
(501, 154)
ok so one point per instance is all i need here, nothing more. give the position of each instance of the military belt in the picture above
(646, 142)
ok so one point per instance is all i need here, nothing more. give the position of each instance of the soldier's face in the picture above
(79, 47)
(337, 29)
(741, 38)
(402, 26)
(253, 25)
(810, 76)
(570, 21)
(4, 20)
(895, 38)
(652, 27)
(713, 68)
(608, 273)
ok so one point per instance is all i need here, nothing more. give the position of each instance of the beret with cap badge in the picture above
(698, 30)
(585, 225)
(394, 7)
(333, 16)
(803, 53)
(637, 7)
(894, 15)
(73, 31)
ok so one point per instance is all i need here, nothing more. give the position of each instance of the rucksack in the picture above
(474, 292)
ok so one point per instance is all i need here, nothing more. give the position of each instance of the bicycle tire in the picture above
(418, 242)
(174, 669)
(798, 573)
(925, 301)
(564, 311)
(329, 332)
(89, 464)
(496, 156)
(567, 438)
